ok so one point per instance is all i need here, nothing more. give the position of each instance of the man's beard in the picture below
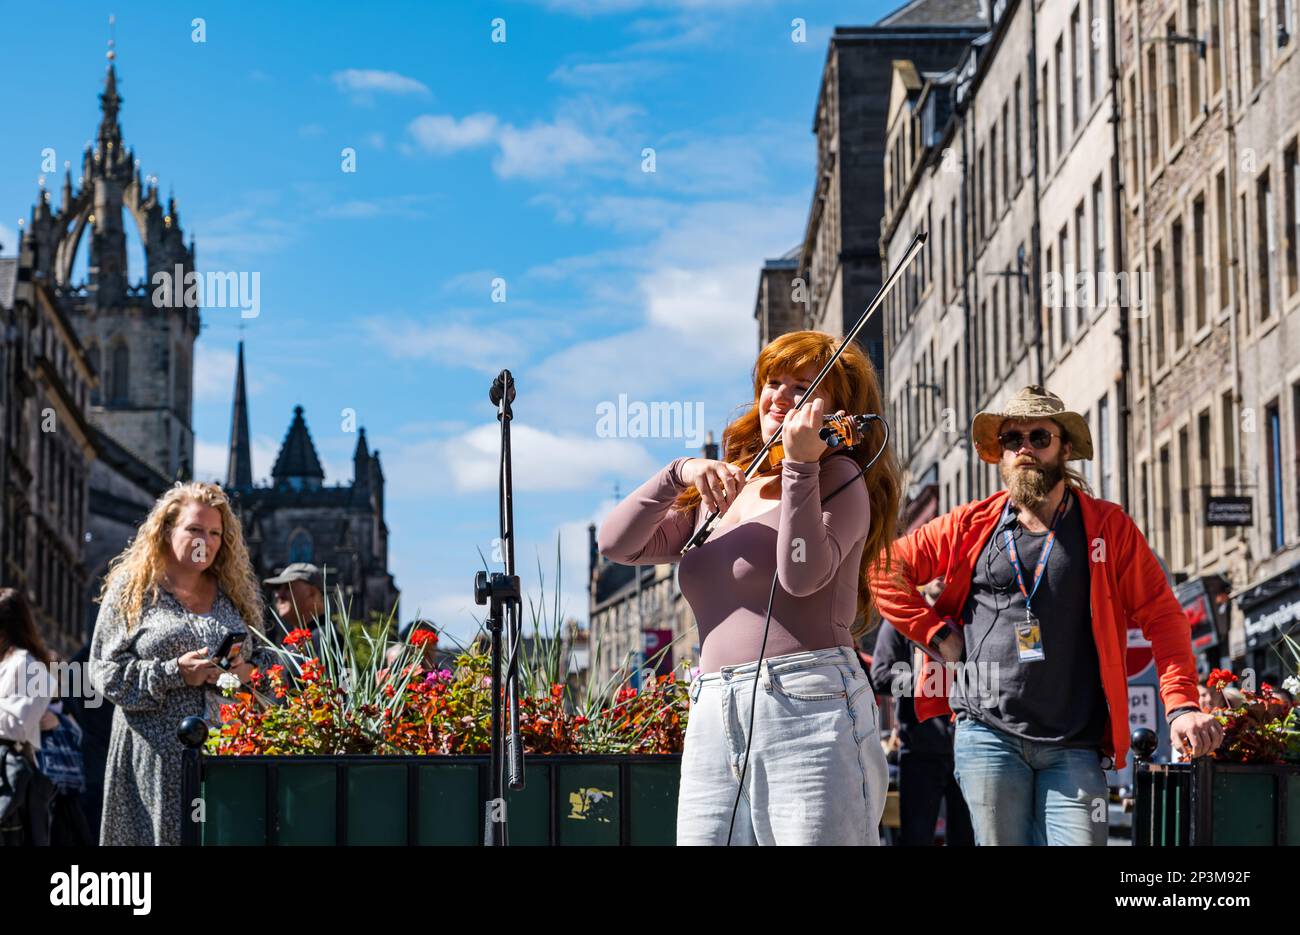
(1029, 484)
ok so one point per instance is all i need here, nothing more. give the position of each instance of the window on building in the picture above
(1048, 314)
(1153, 112)
(120, 393)
(1080, 290)
(1144, 497)
(1214, 43)
(1166, 513)
(1158, 303)
(1185, 557)
(1103, 447)
(995, 365)
(1276, 499)
(1006, 155)
(1256, 19)
(1200, 262)
(1192, 57)
(1266, 246)
(97, 364)
(1204, 474)
(1221, 210)
(1062, 93)
(955, 270)
(1044, 120)
(1131, 131)
(300, 546)
(1019, 144)
(1176, 249)
(1243, 277)
(1173, 114)
(1099, 233)
(1067, 278)
(979, 191)
(1096, 39)
(1077, 38)
(1228, 424)
(993, 177)
(1290, 231)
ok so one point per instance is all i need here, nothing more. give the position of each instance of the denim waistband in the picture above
(788, 663)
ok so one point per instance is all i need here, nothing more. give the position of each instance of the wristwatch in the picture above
(944, 632)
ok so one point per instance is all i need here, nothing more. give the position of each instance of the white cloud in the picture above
(440, 133)
(579, 135)
(407, 206)
(606, 76)
(240, 239)
(364, 81)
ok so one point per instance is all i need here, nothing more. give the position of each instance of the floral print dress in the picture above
(138, 669)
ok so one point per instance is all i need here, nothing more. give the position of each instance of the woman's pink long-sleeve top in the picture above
(815, 549)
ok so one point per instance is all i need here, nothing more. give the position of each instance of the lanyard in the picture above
(1042, 558)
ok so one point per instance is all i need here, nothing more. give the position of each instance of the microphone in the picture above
(504, 383)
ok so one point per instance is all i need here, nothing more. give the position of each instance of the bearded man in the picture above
(1042, 582)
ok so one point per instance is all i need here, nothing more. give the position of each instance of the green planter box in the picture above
(567, 800)
(1210, 802)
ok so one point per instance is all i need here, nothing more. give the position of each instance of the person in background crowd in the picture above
(167, 604)
(60, 760)
(94, 715)
(24, 697)
(298, 598)
(925, 769)
(1051, 624)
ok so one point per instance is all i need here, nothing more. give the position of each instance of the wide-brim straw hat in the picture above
(1032, 402)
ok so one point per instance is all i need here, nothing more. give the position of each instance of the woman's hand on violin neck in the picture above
(799, 432)
(717, 481)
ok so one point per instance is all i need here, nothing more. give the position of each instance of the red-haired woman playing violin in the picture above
(782, 746)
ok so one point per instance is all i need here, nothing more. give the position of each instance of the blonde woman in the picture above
(168, 602)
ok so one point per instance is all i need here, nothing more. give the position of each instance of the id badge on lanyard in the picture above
(1029, 634)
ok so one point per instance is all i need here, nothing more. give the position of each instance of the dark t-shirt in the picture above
(1058, 699)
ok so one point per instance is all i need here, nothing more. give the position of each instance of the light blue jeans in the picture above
(817, 773)
(1026, 792)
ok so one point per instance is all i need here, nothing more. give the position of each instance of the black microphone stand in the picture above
(501, 593)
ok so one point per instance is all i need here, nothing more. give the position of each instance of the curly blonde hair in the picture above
(135, 574)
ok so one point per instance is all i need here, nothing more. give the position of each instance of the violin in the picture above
(839, 431)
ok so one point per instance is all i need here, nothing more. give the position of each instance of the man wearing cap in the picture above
(1042, 582)
(299, 600)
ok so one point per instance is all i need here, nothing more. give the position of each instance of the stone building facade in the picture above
(1007, 159)
(839, 267)
(46, 454)
(97, 380)
(1212, 170)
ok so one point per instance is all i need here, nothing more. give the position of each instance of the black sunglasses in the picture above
(1038, 438)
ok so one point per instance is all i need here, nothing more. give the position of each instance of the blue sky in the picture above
(475, 160)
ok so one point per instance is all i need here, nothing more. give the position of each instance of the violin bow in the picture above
(702, 534)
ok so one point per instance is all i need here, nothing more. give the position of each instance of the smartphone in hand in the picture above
(229, 649)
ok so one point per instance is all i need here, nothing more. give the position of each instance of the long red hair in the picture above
(850, 385)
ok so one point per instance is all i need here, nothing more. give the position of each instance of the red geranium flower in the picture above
(297, 636)
(420, 637)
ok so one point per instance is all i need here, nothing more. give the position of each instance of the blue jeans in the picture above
(817, 773)
(1027, 792)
